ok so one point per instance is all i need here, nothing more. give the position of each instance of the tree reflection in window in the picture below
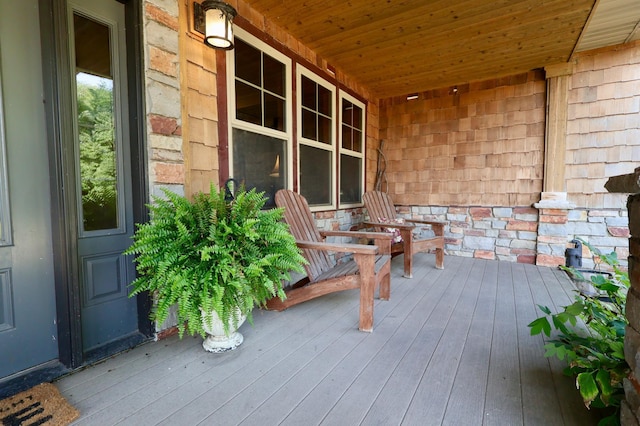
(97, 152)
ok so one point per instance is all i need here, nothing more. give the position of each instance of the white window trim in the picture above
(233, 122)
(302, 71)
(361, 155)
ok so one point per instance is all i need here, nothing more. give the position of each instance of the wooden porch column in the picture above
(558, 79)
(553, 205)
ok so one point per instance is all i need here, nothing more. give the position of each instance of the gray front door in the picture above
(28, 330)
(102, 171)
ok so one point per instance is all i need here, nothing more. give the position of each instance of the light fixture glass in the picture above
(218, 24)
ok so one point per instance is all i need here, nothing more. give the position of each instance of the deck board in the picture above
(504, 398)
(451, 347)
(541, 402)
(467, 399)
(301, 385)
(430, 399)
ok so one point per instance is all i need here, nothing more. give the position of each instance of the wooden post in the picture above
(366, 265)
(553, 205)
(558, 79)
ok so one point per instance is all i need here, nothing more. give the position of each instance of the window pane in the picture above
(248, 103)
(247, 60)
(324, 101)
(357, 141)
(308, 93)
(273, 75)
(96, 125)
(273, 112)
(259, 162)
(357, 117)
(350, 179)
(347, 112)
(309, 130)
(324, 130)
(315, 175)
(347, 137)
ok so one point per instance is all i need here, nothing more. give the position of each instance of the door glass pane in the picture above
(96, 125)
(259, 162)
(315, 175)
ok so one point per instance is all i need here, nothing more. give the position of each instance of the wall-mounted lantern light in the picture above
(214, 19)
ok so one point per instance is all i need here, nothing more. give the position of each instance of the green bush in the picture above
(213, 255)
(590, 336)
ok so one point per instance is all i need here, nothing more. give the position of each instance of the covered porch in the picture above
(451, 347)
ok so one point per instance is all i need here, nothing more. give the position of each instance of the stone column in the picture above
(630, 410)
(554, 207)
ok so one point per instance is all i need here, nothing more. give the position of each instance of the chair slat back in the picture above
(379, 205)
(301, 224)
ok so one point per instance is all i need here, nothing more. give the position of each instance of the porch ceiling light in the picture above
(218, 18)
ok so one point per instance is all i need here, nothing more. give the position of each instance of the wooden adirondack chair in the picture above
(369, 268)
(382, 215)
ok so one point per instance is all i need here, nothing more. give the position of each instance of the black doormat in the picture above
(40, 405)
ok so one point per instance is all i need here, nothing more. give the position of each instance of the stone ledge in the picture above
(555, 204)
(554, 200)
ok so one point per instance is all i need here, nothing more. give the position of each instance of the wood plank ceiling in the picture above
(401, 47)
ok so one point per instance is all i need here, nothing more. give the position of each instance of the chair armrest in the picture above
(339, 247)
(390, 225)
(410, 224)
(357, 234)
(427, 222)
(380, 239)
(436, 225)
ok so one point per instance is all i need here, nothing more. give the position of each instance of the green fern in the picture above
(213, 255)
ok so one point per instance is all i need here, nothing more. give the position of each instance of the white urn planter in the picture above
(217, 339)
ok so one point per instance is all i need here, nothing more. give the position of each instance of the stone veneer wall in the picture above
(513, 234)
(163, 97)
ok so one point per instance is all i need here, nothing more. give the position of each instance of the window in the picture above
(329, 132)
(316, 139)
(260, 109)
(351, 150)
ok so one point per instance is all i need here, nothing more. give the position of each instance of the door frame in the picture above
(57, 73)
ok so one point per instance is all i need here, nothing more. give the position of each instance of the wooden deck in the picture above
(451, 347)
